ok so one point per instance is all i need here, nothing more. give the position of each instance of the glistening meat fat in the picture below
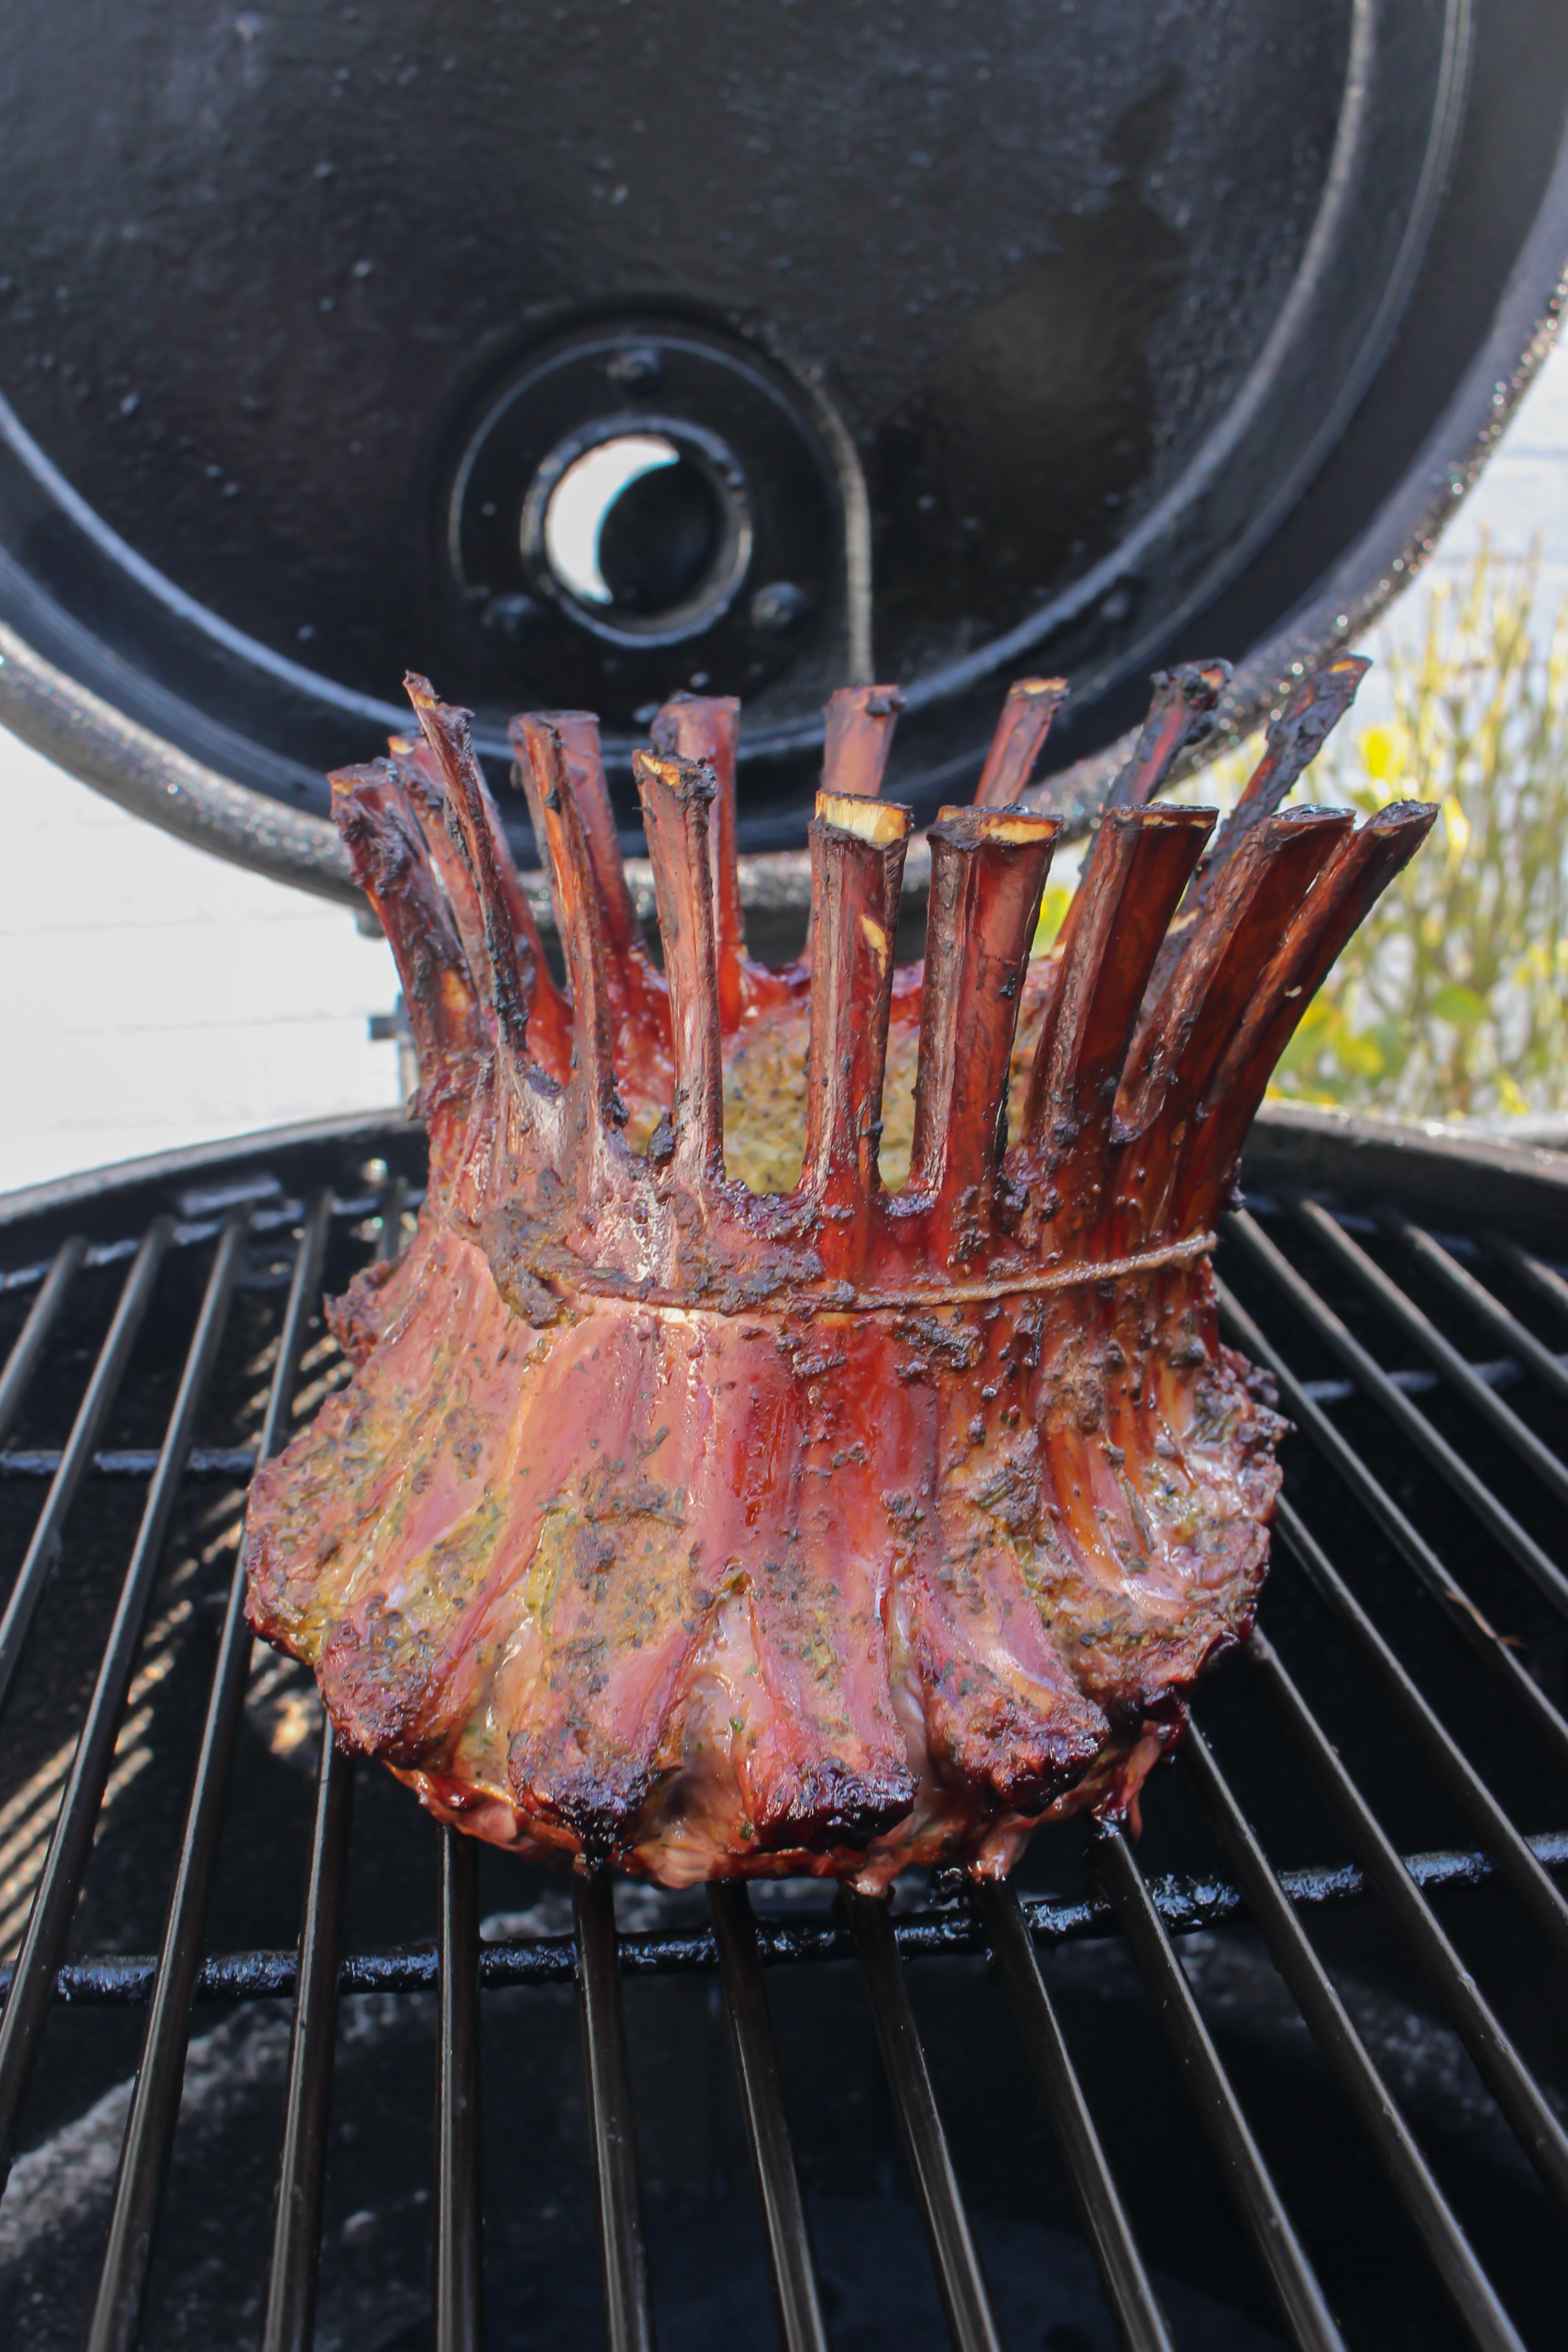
(798, 1437)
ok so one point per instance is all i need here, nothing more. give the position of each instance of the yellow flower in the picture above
(1053, 914)
(1379, 748)
(1457, 827)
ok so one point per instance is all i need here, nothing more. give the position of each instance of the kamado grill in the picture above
(1290, 2069)
(585, 362)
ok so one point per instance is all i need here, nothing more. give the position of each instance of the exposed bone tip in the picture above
(1181, 715)
(1013, 824)
(1199, 682)
(698, 726)
(686, 780)
(344, 782)
(846, 703)
(1401, 815)
(554, 720)
(447, 720)
(1030, 707)
(533, 726)
(878, 822)
(684, 701)
(858, 722)
(1163, 817)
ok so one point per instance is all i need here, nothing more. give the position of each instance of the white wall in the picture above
(155, 996)
(1523, 494)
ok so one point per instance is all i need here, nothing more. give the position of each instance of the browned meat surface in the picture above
(730, 1486)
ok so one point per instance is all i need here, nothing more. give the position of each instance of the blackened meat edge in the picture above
(712, 1497)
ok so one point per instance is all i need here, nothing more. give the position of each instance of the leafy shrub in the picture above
(1452, 1000)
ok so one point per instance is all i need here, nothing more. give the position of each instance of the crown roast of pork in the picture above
(798, 1437)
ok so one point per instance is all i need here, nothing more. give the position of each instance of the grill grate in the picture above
(1418, 1541)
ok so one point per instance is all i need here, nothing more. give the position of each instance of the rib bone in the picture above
(859, 723)
(858, 850)
(1180, 715)
(707, 730)
(1020, 736)
(1141, 863)
(988, 869)
(678, 797)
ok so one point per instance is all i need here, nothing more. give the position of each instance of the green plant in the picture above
(1452, 1000)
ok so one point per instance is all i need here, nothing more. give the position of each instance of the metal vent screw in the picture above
(779, 607)
(639, 369)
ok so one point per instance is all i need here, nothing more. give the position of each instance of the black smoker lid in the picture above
(951, 347)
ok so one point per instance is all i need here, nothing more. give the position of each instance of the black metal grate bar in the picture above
(1110, 2232)
(460, 2248)
(1542, 1278)
(129, 1979)
(389, 1217)
(623, 2244)
(101, 1390)
(1462, 1376)
(1250, 2183)
(290, 2314)
(33, 1981)
(271, 1214)
(1502, 2068)
(1456, 1604)
(1392, 1401)
(42, 1316)
(959, 2277)
(1474, 2295)
(1520, 1546)
(796, 2298)
(1514, 1857)
(1531, 1353)
(155, 2103)
(231, 1462)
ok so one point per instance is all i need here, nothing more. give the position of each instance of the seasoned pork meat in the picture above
(798, 1437)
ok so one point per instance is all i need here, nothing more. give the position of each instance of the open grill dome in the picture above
(1065, 341)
